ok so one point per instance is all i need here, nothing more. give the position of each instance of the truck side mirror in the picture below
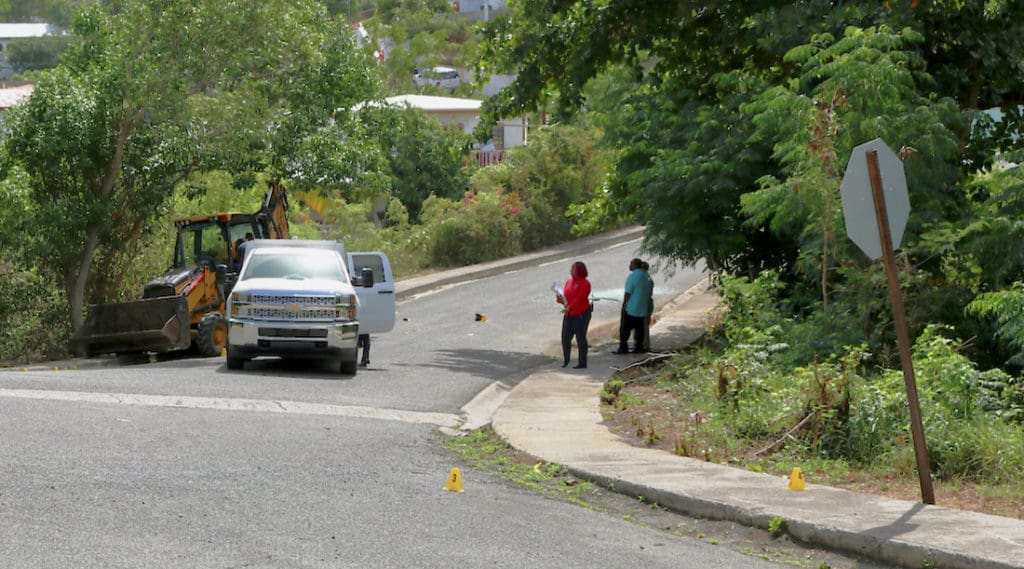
(367, 277)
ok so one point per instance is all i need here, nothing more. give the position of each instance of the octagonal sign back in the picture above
(859, 206)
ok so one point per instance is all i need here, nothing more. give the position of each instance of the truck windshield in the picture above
(297, 265)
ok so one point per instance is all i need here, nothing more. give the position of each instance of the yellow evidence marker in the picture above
(796, 480)
(454, 483)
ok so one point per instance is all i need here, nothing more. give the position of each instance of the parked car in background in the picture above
(441, 77)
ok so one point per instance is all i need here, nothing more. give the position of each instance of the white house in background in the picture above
(464, 114)
(14, 32)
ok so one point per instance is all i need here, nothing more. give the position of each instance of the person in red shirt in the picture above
(575, 298)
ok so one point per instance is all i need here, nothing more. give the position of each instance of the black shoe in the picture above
(580, 366)
(565, 363)
(620, 352)
(638, 352)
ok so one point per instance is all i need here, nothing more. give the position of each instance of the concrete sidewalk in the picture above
(555, 416)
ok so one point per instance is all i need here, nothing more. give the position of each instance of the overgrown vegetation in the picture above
(747, 396)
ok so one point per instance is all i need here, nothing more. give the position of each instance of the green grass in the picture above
(484, 450)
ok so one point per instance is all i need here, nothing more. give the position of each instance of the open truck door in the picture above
(376, 302)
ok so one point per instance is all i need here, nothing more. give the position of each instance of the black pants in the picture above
(363, 342)
(576, 326)
(634, 324)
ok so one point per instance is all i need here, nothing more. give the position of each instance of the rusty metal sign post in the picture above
(902, 336)
(874, 191)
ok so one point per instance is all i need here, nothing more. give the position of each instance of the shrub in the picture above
(33, 316)
(982, 448)
(878, 417)
(33, 54)
(562, 166)
(481, 228)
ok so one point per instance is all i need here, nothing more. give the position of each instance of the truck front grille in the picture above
(293, 299)
(274, 313)
(292, 333)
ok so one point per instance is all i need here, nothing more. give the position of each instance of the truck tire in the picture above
(212, 334)
(235, 362)
(349, 365)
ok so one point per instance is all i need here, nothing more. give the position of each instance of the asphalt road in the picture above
(182, 463)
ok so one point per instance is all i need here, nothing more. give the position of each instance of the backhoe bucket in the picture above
(151, 325)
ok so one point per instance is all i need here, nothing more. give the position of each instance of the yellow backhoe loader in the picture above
(184, 307)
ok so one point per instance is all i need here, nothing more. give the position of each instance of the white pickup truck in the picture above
(298, 299)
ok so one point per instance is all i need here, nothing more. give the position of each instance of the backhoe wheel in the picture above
(212, 334)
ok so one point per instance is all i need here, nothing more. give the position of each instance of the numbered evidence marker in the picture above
(796, 479)
(454, 483)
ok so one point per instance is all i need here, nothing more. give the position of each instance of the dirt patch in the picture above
(655, 418)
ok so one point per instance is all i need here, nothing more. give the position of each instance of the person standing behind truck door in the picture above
(576, 314)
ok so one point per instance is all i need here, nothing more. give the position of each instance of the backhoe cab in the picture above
(184, 307)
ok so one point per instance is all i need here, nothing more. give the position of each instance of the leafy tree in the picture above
(351, 10)
(160, 90)
(424, 158)
(36, 53)
(58, 12)
(694, 65)
(863, 85)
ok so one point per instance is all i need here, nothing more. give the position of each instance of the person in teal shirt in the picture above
(636, 307)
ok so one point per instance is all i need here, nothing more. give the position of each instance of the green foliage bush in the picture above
(843, 409)
(33, 316)
(480, 228)
(34, 54)
(560, 167)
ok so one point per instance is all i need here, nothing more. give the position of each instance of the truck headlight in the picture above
(239, 303)
(347, 306)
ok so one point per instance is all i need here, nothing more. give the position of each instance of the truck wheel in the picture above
(349, 365)
(235, 362)
(212, 334)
